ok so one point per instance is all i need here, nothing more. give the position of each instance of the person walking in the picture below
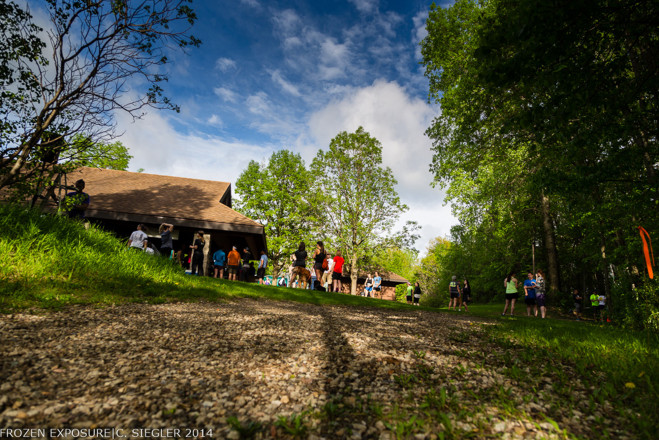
(540, 293)
(454, 292)
(166, 242)
(466, 294)
(337, 272)
(601, 299)
(510, 283)
(233, 263)
(198, 254)
(594, 303)
(417, 293)
(529, 295)
(219, 260)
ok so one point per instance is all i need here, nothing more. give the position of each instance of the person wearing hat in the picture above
(233, 263)
(77, 202)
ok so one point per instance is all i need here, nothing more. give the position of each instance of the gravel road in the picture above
(270, 369)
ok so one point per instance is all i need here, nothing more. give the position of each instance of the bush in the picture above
(434, 300)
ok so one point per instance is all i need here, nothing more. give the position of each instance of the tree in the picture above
(359, 206)
(276, 194)
(96, 48)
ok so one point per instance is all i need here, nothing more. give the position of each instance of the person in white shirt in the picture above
(138, 239)
(327, 275)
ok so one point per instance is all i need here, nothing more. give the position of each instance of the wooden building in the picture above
(120, 200)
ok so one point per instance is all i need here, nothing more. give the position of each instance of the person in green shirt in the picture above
(594, 303)
(410, 293)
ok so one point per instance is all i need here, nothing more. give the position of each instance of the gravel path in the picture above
(270, 370)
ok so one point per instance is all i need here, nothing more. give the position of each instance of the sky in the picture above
(293, 74)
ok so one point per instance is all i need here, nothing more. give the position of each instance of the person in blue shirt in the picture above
(263, 262)
(219, 260)
(529, 295)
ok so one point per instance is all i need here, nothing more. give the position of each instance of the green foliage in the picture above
(359, 205)
(547, 136)
(276, 194)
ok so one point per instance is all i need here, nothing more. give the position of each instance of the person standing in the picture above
(410, 293)
(219, 260)
(529, 295)
(319, 256)
(138, 239)
(576, 298)
(263, 262)
(417, 293)
(327, 275)
(166, 242)
(466, 294)
(594, 303)
(198, 254)
(454, 292)
(76, 202)
(337, 272)
(377, 285)
(299, 258)
(245, 270)
(540, 293)
(368, 286)
(510, 283)
(233, 263)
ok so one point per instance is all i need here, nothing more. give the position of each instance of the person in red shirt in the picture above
(337, 272)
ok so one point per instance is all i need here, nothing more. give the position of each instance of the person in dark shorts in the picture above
(510, 283)
(454, 292)
(576, 297)
(410, 293)
(198, 254)
(319, 256)
(540, 293)
(337, 272)
(245, 269)
(529, 295)
(233, 263)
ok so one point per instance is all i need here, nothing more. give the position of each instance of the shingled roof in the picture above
(152, 198)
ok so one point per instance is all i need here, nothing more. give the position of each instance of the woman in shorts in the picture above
(466, 293)
(510, 283)
(319, 256)
(368, 286)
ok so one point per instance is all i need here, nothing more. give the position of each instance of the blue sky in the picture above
(293, 74)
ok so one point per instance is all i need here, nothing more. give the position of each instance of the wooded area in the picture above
(547, 144)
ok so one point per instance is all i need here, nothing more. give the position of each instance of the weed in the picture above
(246, 430)
(293, 424)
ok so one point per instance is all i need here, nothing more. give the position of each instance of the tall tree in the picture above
(96, 47)
(359, 205)
(276, 194)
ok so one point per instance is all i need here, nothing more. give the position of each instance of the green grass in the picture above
(49, 262)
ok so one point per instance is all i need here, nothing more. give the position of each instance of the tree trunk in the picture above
(550, 246)
(353, 275)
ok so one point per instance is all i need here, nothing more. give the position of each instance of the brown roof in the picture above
(123, 195)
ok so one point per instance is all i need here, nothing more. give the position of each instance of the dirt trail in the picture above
(272, 370)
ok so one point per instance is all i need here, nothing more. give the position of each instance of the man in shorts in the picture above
(219, 260)
(233, 264)
(594, 303)
(529, 295)
(410, 293)
(263, 262)
(576, 297)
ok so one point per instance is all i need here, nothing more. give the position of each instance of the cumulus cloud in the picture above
(365, 6)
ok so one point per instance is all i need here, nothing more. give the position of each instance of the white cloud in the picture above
(365, 6)
(258, 104)
(214, 120)
(252, 3)
(420, 32)
(226, 94)
(285, 85)
(225, 64)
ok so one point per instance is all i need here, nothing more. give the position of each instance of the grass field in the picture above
(51, 263)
